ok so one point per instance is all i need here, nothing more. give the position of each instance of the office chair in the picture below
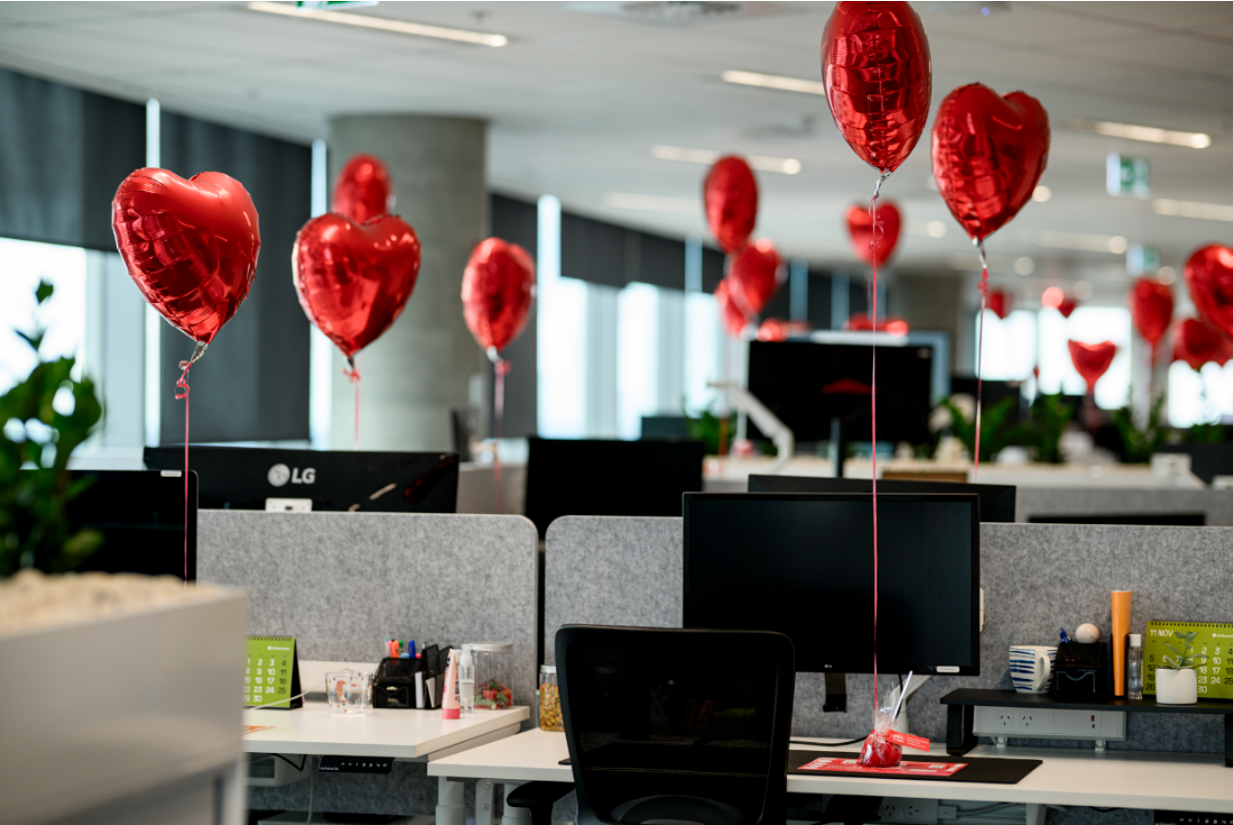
(682, 725)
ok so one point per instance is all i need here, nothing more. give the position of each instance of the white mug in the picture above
(1031, 667)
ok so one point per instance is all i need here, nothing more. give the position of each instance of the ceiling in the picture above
(583, 91)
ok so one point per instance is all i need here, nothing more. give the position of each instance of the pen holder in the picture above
(394, 684)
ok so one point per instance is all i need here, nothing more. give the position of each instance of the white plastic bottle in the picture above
(466, 681)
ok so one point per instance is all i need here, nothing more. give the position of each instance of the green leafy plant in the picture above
(43, 418)
(705, 426)
(1208, 432)
(1048, 418)
(996, 430)
(1185, 657)
(1140, 444)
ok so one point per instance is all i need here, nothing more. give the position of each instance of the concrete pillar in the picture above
(935, 301)
(424, 364)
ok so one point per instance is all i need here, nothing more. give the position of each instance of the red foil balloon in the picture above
(1151, 309)
(988, 155)
(732, 316)
(190, 245)
(497, 288)
(354, 280)
(999, 302)
(364, 190)
(1092, 360)
(1197, 342)
(1067, 306)
(730, 194)
(1209, 274)
(860, 323)
(777, 329)
(754, 274)
(861, 231)
(878, 77)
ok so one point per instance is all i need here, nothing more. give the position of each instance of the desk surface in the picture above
(401, 734)
(1115, 779)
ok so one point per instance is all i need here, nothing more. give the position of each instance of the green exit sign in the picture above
(1142, 260)
(1127, 176)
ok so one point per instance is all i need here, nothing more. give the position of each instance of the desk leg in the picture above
(451, 809)
(485, 801)
(1035, 814)
(511, 815)
(1228, 739)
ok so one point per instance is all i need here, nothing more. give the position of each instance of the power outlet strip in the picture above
(1097, 726)
(909, 811)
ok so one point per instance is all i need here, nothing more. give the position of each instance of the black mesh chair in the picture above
(681, 725)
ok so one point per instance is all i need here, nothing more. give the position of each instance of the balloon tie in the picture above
(182, 390)
(353, 374)
(500, 368)
(980, 349)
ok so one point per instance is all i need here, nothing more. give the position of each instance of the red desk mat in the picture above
(974, 769)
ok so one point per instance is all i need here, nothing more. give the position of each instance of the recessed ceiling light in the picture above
(1193, 209)
(1082, 242)
(1042, 193)
(1152, 134)
(1024, 266)
(653, 203)
(1083, 290)
(1052, 297)
(1166, 275)
(775, 81)
(936, 229)
(763, 163)
(381, 23)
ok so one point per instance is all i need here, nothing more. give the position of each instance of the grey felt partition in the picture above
(342, 582)
(1215, 505)
(1036, 577)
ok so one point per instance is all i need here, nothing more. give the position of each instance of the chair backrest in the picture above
(682, 725)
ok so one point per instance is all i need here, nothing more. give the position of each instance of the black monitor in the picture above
(807, 385)
(568, 477)
(997, 501)
(665, 426)
(1179, 519)
(252, 478)
(141, 516)
(802, 564)
(1206, 460)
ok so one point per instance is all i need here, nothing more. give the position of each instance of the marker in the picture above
(1065, 638)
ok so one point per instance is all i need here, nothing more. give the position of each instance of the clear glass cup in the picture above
(350, 692)
(493, 671)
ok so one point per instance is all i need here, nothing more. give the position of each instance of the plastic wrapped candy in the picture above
(878, 751)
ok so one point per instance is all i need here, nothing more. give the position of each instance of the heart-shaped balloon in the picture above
(754, 275)
(732, 316)
(999, 302)
(190, 245)
(364, 189)
(988, 155)
(1209, 274)
(861, 231)
(354, 279)
(860, 322)
(730, 194)
(1067, 306)
(1151, 309)
(1197, 342)
(777, 329)
(497, 288)
(1091, 360)
(878, 78)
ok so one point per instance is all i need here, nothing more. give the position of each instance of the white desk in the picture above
(1116, 779)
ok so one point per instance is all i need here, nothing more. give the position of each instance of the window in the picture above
(23, 264)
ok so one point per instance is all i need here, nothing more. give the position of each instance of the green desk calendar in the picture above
(1215, 642)
(272, 673)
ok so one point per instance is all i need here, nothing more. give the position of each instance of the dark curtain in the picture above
(253, 383)
(517, 221)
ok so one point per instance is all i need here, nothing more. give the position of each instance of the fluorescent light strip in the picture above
(775, 81)
(381, 24)
(926, 229)
(1114, 244)
(653, 203)
(1193, 209)
(1152, 134)
(763, 163)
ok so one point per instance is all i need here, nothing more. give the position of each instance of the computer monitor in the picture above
(997, 501)
(665, 426)
(1179, 519)
(141, 516)
(807, 385)
(253, 478)
(1206, 460)
(802, 564)
(609, 478)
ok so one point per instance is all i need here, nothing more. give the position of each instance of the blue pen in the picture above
(1065, 638)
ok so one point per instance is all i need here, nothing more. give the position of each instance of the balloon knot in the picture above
(501, 366)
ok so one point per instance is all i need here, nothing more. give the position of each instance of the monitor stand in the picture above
(839, 446)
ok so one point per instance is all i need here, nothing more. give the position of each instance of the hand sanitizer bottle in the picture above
(1134, 668)
(466, 681)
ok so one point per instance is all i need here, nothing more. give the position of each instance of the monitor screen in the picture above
(807, 385)
(803, 564)
(250, 478)
(609, 478)
(141, 516)
(997, 501)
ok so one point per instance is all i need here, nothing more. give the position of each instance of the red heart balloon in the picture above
(860, 323)
(190, 245)
(1151, 308)
(1209, 274)
(988, 155)
(1197, 342)
(730, 194)
(777, 329)
(354, 279)
(1092, 360)
(754, 275)
(878, 77)
(364, 189)
(1067, 306)
(732, 316)
(999, 302)
(497, 288)
(861, 231)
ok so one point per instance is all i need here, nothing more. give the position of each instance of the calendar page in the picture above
(271, 674)
(1212, 649)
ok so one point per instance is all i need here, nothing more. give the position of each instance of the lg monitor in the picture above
(609, 478)
(803, 564)
(997, 501)
(249, 478)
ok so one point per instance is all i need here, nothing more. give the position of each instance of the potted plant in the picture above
(1176, 681)
(1139, 445)
(1048, 417)
(996, 428)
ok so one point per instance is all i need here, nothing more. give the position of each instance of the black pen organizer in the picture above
(394, 683)
(1083, 671)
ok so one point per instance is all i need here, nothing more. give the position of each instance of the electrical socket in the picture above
(1048, 723)
(909, 811)
(946, 812)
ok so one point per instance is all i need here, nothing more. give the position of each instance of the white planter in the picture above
(1176, 687)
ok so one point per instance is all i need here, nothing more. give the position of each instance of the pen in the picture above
(1065, 638)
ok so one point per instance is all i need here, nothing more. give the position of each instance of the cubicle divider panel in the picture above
(1215, 505)
(1037, 578)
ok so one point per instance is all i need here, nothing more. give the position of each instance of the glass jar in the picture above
(493, 670)
(549, 700)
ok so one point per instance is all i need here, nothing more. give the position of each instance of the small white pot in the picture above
(1176, 687)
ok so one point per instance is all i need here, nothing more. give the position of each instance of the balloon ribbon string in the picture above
(500, 367)
(980, 351)
(182, 390)
(874, 242)
(354, 374)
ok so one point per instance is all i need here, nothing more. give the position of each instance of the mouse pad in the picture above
(975, 769)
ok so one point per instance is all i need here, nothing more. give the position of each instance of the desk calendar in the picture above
(272, 673)
(1213, 652)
